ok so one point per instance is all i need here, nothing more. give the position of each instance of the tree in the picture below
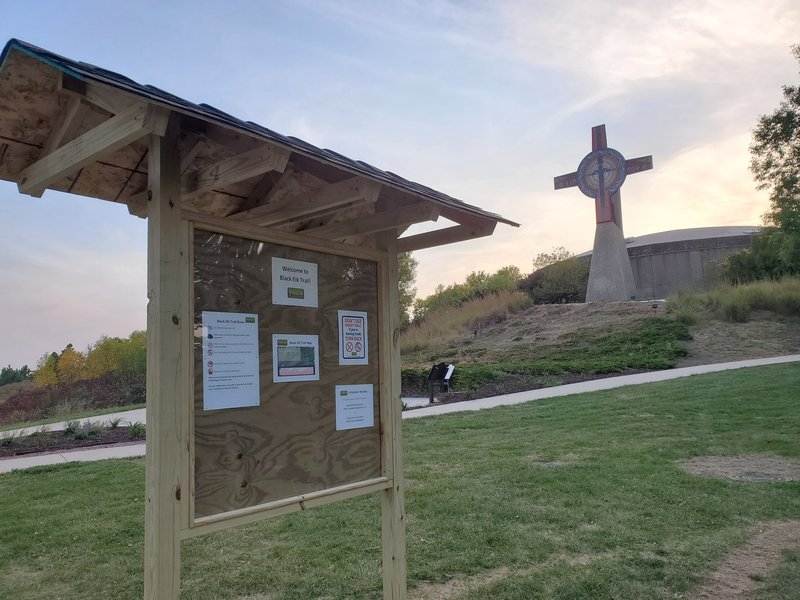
(46, 374)
(406, 276)
(477, 284)
(545, 259)
(71, 365)
(776, 167)
(11, 375)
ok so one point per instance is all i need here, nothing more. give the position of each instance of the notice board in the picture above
(269, 316)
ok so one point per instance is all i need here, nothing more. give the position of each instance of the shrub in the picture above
(764, 260)
(562, 282)
(137, 430)
(10, 438)
(87, 430)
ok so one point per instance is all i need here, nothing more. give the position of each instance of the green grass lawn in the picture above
(576, 498)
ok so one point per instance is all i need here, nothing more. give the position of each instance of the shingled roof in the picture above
(52, 106)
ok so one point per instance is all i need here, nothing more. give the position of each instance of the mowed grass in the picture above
(570, 498)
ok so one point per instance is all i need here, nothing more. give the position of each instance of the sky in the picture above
(485, 101)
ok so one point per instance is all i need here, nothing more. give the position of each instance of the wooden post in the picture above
(393, 498)
(168, 288)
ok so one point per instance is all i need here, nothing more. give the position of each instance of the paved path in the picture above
(129, 450)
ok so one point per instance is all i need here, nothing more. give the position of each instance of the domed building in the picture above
(667, 262)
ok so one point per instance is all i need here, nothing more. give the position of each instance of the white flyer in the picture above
(295, 357)
(230, 360)
(294, 282)
(354, 407)
(353, 345)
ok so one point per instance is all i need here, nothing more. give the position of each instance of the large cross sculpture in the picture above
(600, 175)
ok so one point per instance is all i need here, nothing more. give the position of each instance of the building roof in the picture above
(47, 101)
(687, 235)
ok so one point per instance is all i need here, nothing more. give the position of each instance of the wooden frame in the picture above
(170, 458)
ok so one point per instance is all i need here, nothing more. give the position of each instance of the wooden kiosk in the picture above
(272, 363)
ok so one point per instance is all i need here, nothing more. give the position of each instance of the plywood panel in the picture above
(289, 444)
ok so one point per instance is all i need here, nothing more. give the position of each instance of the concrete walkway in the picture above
(138, 449)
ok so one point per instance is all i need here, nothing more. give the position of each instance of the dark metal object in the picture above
(439, 376)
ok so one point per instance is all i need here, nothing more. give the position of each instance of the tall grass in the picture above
(441, 326)
(737, 302)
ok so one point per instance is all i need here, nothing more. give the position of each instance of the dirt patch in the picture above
(456, 586)
(738, 577)
(754, 468)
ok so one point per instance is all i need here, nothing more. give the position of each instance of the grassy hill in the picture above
(502, 344)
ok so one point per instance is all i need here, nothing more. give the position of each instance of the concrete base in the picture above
(610, 276)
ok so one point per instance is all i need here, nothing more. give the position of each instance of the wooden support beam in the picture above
(327, 215)
(194, 145)
(117, 132)
(169, 323)
(190, 148)
(266, 189)
(105, 97)
(257, 161)
(331, 196)
(393, 510)
(448, 235)
(380, 221)
(67, 126)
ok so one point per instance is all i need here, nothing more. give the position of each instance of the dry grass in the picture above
(444, 325)
(736, 302)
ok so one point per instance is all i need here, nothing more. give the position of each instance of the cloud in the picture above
(614, 45)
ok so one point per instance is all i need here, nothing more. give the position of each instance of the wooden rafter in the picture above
(293, 207)
(265, 190)
(119, 131)
(381, 221)
(260, 160)
(448, 235)
(231, 170)
(67, 125)
(189, 151)
(104, 97)
(325, 216)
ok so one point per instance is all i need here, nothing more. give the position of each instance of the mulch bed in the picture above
(54, 441)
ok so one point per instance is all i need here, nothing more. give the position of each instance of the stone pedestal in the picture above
(610, 276)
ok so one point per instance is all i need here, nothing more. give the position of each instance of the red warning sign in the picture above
(353, 345)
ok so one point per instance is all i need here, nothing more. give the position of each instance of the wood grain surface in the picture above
(289, 444)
